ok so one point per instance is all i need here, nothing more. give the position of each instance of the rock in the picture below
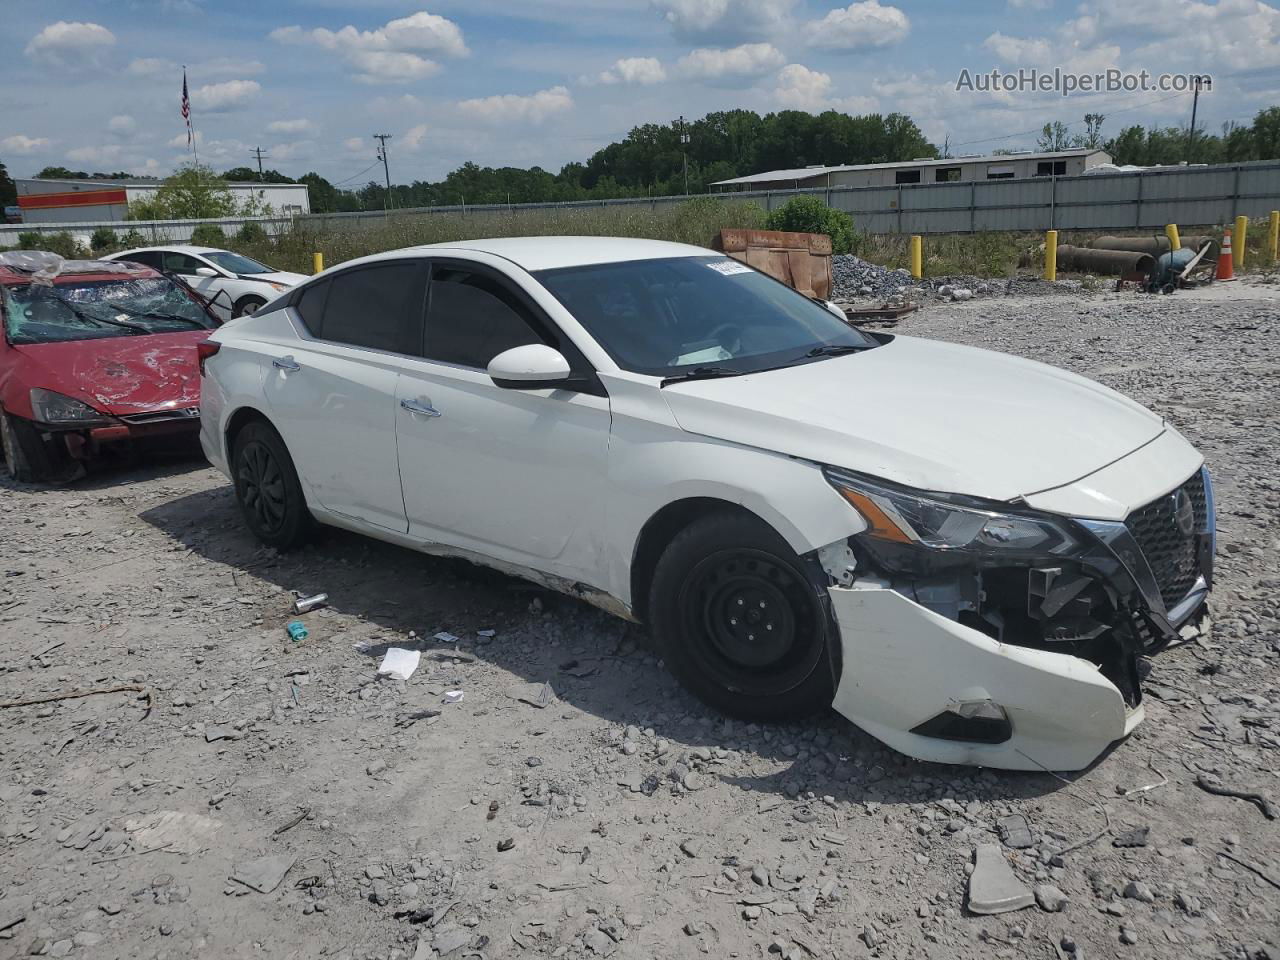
(1015, 832)
(1128, 935)
(1137, 890)
(1187, 903)
(693, 781)
(992, 886)
(87, 938)
(869, 937)
(1135, 837)
(13, 910)
(751, 913)
(110, 907)
(60, 948)
(760, 875)
(1050, 898)
(265, 873)
(451, 939)
(375, 768)
(690, 848)
(693, 928)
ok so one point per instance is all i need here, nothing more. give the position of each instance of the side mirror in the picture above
(532, 367)
(206, 272)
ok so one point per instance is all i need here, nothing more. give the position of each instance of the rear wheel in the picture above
(267, 487)
(740, 622)
(247, 305)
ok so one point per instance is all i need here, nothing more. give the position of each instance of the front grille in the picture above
(162, 416)
(1171, 554)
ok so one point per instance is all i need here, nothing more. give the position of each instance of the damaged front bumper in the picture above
(1029, 667)
(85, 442)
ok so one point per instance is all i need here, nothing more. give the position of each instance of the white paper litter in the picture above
(453, 696)
(399, 663)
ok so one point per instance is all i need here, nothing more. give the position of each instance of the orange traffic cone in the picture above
(1225, 269)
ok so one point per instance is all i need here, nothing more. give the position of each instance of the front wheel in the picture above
(25, 457)
(267, 488)
(740, 622)
(246, 306)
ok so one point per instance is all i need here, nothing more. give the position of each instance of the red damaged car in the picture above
(94, 355)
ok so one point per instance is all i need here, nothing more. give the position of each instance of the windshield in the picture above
(666, 317)
(36, 313)
(235, 263)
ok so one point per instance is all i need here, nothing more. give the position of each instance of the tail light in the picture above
(204, 350)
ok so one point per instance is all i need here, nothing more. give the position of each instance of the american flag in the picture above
(186, 106)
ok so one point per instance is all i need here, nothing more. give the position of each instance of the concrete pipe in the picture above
(1154, 245)
(1114, 262)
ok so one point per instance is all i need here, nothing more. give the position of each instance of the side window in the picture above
(310, 306)
(181, 264)
(473, 318)
(148, 258)
(378, 306)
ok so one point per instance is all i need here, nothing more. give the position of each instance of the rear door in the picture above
(333, 393)
(513, 474)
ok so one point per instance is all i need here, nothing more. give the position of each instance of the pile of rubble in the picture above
(853, 278)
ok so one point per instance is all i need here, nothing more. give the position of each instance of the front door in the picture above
(333, 394)
(513, 474)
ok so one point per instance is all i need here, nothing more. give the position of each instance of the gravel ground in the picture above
(278, 800)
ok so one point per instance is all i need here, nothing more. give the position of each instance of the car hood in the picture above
(121, 375)
(927, 414)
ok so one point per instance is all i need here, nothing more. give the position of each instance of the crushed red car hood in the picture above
(122, 375)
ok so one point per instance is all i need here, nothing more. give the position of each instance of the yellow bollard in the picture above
(317, 262)
(915, 256)
(1275, 236)
(1051, 255)
(1171, 231)
(1237, 242)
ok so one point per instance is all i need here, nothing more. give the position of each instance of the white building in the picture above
(1013, 166)
(100, 201)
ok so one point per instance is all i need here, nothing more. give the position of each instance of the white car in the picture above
(236, 285)
(962, 551)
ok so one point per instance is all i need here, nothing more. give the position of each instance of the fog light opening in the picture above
(971, 721)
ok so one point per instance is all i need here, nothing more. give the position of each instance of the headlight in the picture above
(50, 407)
(910, 518)
(278, 286)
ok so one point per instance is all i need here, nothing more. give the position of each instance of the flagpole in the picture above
(186, 115)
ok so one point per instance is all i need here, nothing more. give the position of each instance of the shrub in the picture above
(810, 215)
(251, 232)
(30, 240)
(102, 240)
(208, 235)
(63, 244)
(132, 239)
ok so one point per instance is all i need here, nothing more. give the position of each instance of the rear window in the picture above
(37, 313)
(378, 307)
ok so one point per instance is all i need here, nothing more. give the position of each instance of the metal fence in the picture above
(1115, 201)
(153, 231)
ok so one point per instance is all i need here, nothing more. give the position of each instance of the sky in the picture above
(96, 84)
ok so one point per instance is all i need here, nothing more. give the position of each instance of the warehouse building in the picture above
(102, 201)
(1011, 166)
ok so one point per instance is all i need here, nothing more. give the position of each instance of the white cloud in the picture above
(745, 61)
(413, 137)
(356, 144)
(290, 126)
(638, 71)
(21, 144)
(100, 154)
(723, 21)
(1031, 4)
(533, 108)
(393, 53)
(801, 88)
(227, 67)
(70, 43)
(228, 95)
(122, 124)
(1019, 50)
(860, 26)
(150, 67)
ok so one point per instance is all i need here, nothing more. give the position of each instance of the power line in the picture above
(382, 138)
(360, 174)
(1073, 123)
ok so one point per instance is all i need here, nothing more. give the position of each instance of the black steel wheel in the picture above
(741, 622)
(247, 306)
(267, 487)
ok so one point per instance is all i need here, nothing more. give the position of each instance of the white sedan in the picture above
(236, 285)
(963, 552)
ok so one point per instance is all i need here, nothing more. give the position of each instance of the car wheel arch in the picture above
(658, 532)
(240, 419)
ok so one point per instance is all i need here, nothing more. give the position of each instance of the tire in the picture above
(247, 305)
(773, 660)
(267, 488)
(25, 457)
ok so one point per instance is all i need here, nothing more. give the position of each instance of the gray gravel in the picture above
(132, 835)
(856, 279)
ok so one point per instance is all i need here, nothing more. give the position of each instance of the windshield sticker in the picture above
(729, 267)
(702, 356)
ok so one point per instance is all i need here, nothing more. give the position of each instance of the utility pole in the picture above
(257, 152)
(382, 138)
(1191, 134)
(684, 152)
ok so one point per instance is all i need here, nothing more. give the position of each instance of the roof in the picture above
(179, 247)
(803, 173)
(142, 182)
(550, 253)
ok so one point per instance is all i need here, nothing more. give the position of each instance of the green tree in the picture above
(806, 214)
(194, 192)
(8, 189)
(1266, 134)
(322, 193)
(1053, 137)
(208, 235)
(102, 240)
(1092, 136)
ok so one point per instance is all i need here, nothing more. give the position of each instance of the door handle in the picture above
(426, 409)
(286, 363)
